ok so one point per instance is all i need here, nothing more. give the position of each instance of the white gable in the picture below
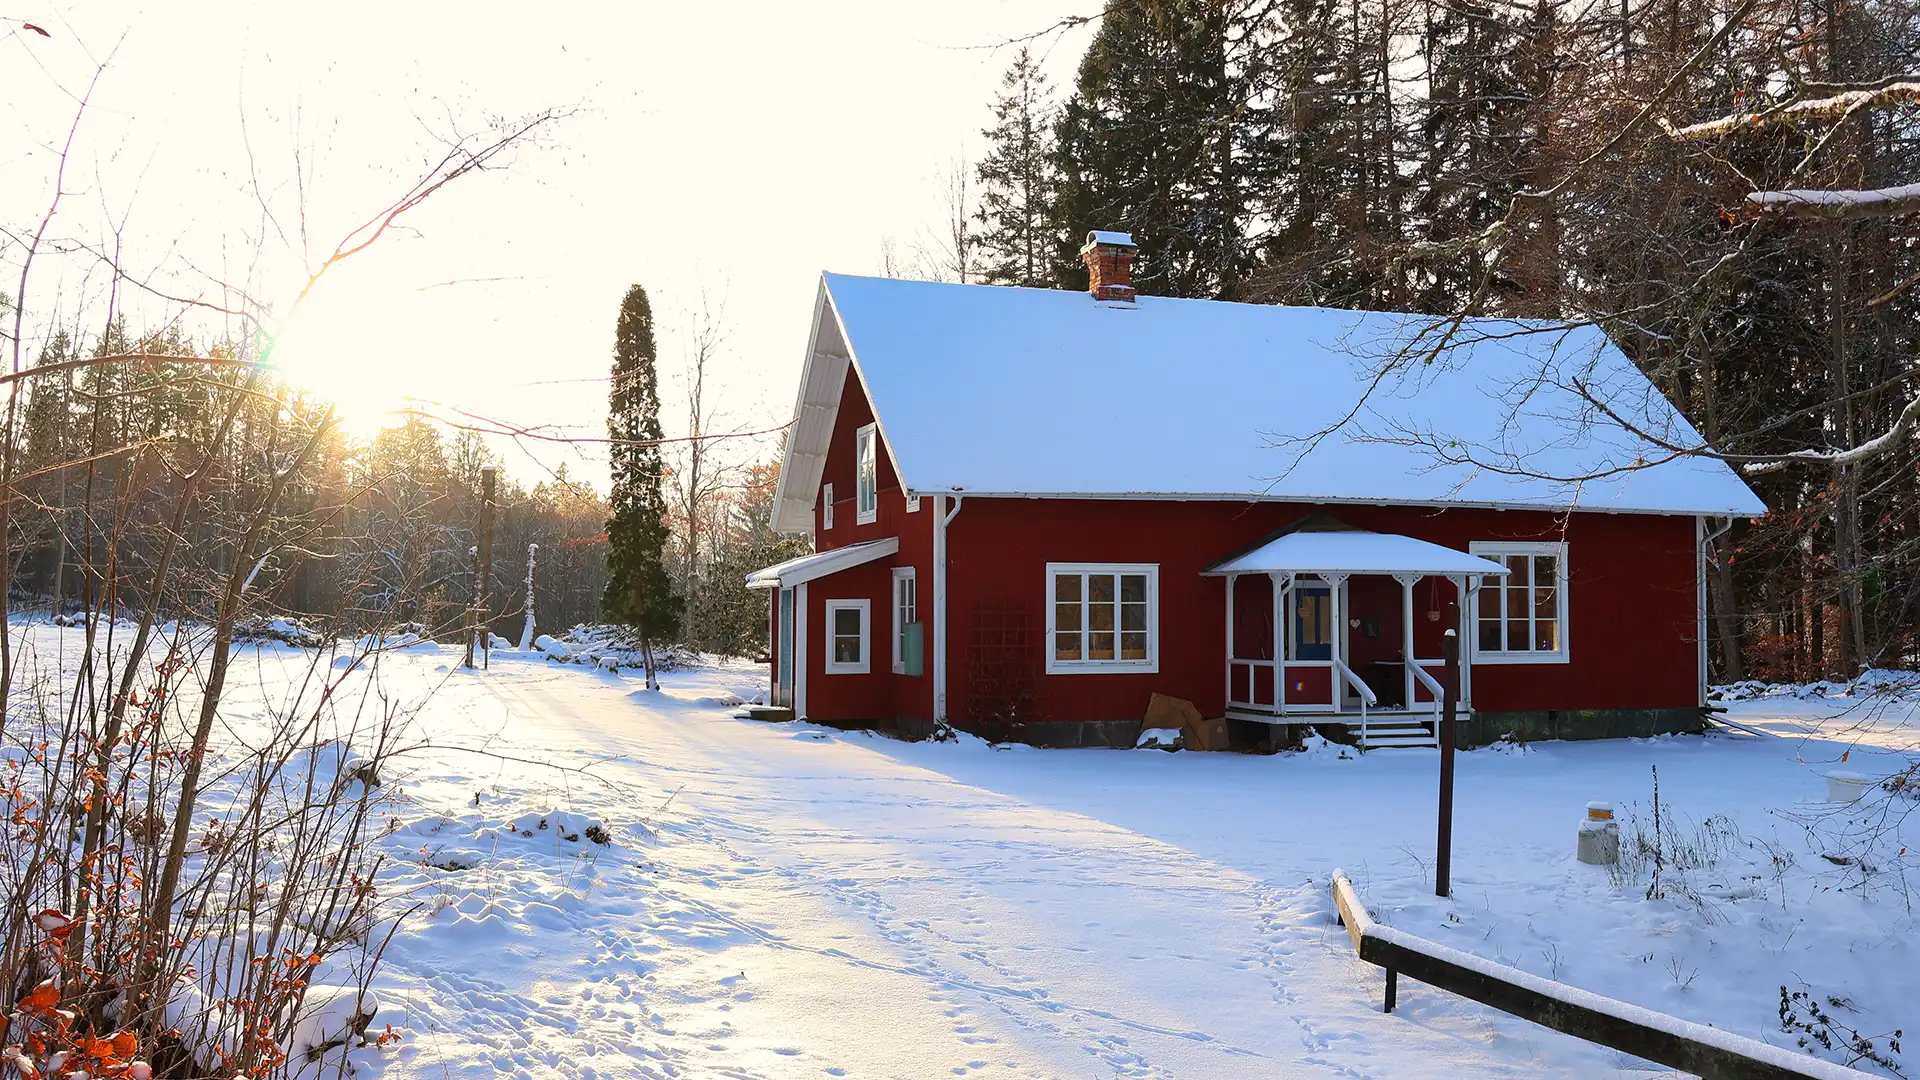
(1004, 391)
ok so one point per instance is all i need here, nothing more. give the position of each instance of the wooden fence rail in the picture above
(1701, 1049)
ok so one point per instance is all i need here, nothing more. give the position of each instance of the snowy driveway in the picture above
(824, 904)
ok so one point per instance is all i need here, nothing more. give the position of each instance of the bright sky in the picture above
(731, 151)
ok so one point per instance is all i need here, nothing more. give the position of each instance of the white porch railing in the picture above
(1365, 693)
(1252, 700)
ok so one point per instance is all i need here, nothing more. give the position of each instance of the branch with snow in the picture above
(1844, 103)
(1902, 425)
(1836, 205)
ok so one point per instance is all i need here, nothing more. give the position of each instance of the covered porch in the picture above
(1331, 624)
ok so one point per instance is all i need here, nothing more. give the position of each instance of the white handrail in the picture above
(1433, 687)
(1367, 696)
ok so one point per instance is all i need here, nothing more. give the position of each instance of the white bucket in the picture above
(1847, 787)
(1599, 843)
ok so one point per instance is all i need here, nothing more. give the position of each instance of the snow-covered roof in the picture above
(1342, 550)
(786, 575)
(991, 390)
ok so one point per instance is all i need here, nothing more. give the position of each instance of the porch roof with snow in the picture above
(785, 575)
(1341, 550)
(991, 390)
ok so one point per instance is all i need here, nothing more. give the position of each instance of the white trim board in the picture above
(821, 563)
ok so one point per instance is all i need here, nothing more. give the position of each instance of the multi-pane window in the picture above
(906, 612)
(1522, 617)
(847, 637)
(826, 506)
(1102, 617)
(867, 474)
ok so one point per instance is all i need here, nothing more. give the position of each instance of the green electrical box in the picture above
(913, 648)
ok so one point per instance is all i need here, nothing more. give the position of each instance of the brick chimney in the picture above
(1109, 257)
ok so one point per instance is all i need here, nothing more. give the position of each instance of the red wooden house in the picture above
(1033, 509)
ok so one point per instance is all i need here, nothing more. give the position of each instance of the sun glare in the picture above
(346, 354)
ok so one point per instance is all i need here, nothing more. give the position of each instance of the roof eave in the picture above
(1758, 510)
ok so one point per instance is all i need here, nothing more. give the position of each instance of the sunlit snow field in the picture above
(784, 900)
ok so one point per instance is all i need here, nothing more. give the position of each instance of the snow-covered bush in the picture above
(262, 629)
(614, 648)
(562, 825)
(1872, 682)
(401, 636)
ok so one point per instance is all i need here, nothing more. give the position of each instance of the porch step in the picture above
(1381, 736)
(1389, 742)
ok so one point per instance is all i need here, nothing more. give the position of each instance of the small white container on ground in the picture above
(1599, 836)
(1847, 786)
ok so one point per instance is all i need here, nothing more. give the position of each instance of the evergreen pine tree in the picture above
(1152, 142)
(1016, 241)
(47, 440)
(639, 593)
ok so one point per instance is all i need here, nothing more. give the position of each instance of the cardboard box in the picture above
(1208, 734)
(1197, 732)
(1169, 712)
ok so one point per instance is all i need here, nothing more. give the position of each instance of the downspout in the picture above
(1706, 539)
(942, 517)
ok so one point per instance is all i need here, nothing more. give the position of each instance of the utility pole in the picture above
(1450, 702)
(483, 589)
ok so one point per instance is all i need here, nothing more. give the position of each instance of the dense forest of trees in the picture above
(1665, 169)
(375, 532)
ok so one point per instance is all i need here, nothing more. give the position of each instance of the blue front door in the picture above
(1312, 622)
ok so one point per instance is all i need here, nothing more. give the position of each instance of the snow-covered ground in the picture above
(782, 900)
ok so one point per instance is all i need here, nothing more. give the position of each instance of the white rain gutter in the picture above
(942, 517)
(1706, 539)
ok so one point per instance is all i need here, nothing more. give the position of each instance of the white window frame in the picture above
(903, 574)
(1105, 667)
(826, 503)
(1494, 585)
(913, 504)
(865, 663)
(866, 474)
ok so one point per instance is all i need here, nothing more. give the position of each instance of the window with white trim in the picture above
(826, 506)
(906, 611)
(1103, 617)
(866, 459)
(1522, 618)
(848, 636)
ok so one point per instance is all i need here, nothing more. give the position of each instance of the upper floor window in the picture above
(826, 506)
(1102, 617)
(1522, 618)
(866, 459)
